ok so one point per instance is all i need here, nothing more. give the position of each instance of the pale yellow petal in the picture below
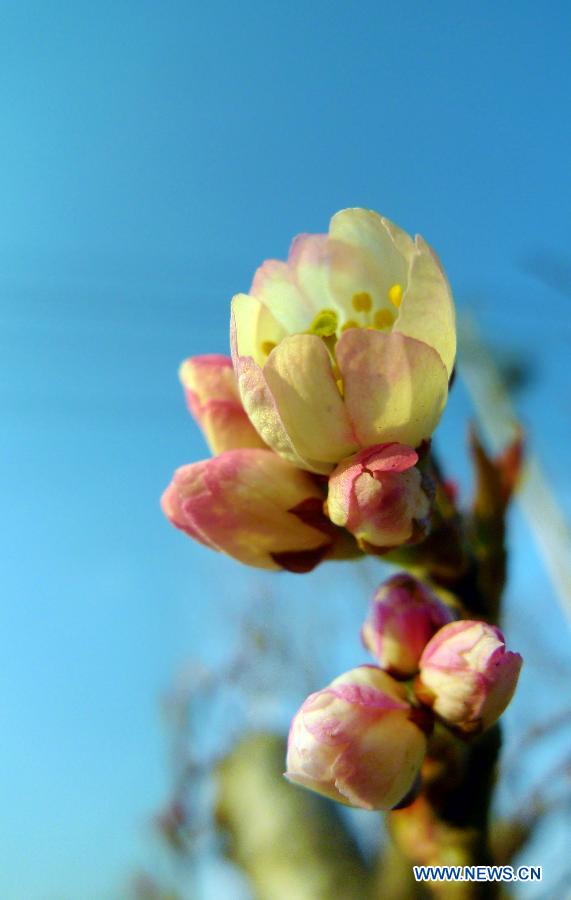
(427, 309)
(264, 415)
(275, 286)
(300, 378)
(369, 256)
(395, 387)
(310, 262)
(256, 330)
(367, 229)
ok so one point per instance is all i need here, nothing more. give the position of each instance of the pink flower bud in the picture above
(254, 506)
(212, 396)
(467, 676)
(403, 616)
(358, 741)
(379, 496)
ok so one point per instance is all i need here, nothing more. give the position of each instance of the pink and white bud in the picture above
(358, 741)
(467, 676)
(254, 506)
(212, 396)
(403, 616)
(380, 497)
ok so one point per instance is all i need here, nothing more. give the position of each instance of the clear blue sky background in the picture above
(152, 154)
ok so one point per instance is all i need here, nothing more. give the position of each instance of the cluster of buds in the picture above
(320, 425)
(341, 358)
(363, 739)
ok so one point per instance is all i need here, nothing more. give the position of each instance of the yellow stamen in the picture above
(324, 324)
(362, 302)
(350, 323)
(340, 387)
(395, 295)
(383, 318)
(267, 347)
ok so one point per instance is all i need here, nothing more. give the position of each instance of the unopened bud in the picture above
(380, 496)
(254, 506)
(358, 741)
(403, 616)
(467, 676)
(212, 396)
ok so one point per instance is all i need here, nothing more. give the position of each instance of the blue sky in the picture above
(152, 156)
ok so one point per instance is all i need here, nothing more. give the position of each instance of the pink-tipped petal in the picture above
(380, 497)
(373, 774)
(356, 741)
(187, 480)
(404, 615)
(275, 287)
(395, 387)
(213, 399)
(467, 676)
(241, 503)
(310, 262)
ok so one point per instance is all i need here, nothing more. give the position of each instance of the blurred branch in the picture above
(498, 419)
(291, 844)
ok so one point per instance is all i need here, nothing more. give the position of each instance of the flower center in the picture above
(379, 319)
(326, 323)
